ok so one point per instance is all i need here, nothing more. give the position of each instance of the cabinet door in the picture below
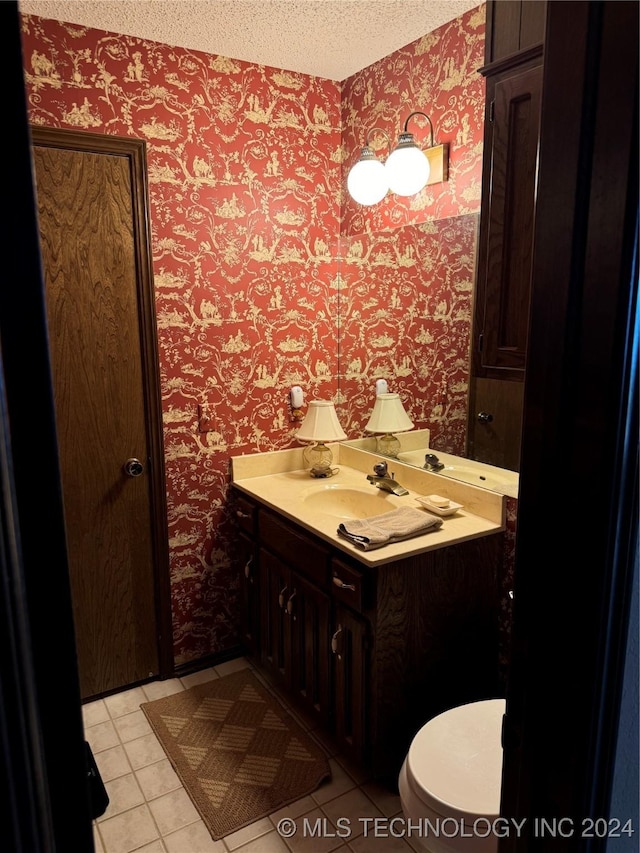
(513, 26)
(349, 652)
(275, 583)
(507, 284)
(250, 595)
(308, 613)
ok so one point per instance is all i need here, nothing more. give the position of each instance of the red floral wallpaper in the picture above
(408, 264)
(255, 290)
(438, 75)
(405, 310)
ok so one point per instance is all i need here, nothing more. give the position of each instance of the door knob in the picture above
(133, 467)
(485, 417)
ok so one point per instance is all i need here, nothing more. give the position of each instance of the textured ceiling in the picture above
(324, 38)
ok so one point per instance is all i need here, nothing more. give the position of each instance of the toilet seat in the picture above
(454, 770)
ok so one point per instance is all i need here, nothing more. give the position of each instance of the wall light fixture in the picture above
(368, 182)
(407, 169)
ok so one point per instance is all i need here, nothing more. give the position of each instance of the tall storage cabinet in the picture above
(513, 71)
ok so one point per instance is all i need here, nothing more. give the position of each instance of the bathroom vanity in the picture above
(370, 644)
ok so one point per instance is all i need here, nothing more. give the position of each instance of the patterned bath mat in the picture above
(238, 753)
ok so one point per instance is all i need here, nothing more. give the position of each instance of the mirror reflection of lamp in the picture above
(388, 416)
(320, 425)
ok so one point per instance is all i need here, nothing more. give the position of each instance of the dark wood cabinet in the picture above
(310, 658)
(515, 34)
(372, 652)
(295, 614)
(250, 597)
(247, 558)
(349, 645)
(508, 228)
(513, 26)
(275, 629)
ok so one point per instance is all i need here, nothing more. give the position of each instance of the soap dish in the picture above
(439, 510)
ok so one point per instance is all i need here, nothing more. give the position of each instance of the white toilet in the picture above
(450, 780)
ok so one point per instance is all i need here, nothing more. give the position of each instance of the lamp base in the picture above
(318, 458)
(388, 445)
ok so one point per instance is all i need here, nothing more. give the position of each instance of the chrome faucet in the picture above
(432, 463)
(381, 480)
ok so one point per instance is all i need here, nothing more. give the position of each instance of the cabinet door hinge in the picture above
(492, 110)
(480, 341)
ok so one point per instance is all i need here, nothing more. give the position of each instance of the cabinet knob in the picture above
(485, 417)
(281, 597)
(242, 514)
(247, 568)
(334, 641)
(342, 585)
(290, 603)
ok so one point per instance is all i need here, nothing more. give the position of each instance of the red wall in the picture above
(408, 264)
(246, 170)
(438, 75)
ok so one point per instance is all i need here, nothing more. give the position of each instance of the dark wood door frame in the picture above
(574, 564)
(135, 152)
(43, 780)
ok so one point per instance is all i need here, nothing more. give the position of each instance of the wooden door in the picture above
(93, 230)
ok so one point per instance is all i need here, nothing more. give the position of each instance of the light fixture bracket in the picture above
(437, 155)
(406, 126)
(367, 140)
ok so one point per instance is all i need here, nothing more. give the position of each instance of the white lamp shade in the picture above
(407, 169)
(321, 423)
(367, 181)
(388, 415)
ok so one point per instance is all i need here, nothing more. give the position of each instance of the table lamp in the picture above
(388, 416)
(320, 424)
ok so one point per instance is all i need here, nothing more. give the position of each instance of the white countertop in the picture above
(278, 481)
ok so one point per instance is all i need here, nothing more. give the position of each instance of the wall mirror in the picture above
(407, 278)
(425, 339)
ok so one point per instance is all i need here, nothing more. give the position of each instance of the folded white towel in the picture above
(394, 526)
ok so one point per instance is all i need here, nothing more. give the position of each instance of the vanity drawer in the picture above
(347, 585)
(246, 513)
(299, 551)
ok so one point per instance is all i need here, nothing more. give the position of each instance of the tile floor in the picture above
(150, 812)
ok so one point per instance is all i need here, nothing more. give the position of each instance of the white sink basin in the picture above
(350, 502)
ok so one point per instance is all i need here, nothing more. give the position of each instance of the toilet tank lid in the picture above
(455, 760)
